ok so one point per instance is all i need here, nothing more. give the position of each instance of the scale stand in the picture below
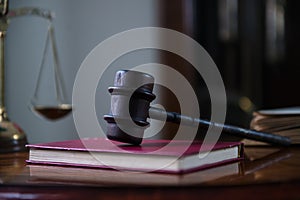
(12, 138)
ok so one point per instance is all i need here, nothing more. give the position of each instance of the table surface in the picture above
(266, 172)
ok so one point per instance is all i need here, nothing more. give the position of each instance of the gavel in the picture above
(131, 96)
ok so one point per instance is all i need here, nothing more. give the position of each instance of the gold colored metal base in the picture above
(12, 137)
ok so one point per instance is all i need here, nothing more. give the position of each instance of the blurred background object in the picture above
(254, 43)
(79, 27)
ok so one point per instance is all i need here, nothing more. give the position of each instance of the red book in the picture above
(167, 156)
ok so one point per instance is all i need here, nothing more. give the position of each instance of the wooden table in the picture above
(266, 173)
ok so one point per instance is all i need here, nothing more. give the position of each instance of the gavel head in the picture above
(130, 101)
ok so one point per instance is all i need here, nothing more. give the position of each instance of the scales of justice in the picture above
(12, 138)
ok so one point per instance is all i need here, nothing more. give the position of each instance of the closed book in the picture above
(151, 156)
(279, 121)
(58, 175)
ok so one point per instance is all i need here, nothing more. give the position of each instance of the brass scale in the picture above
(12, 138)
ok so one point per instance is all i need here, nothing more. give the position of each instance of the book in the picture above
(281, 121)
(258, 160)
(47, 174)
(151, 156)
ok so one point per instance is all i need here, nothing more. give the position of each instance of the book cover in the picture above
(152, 155)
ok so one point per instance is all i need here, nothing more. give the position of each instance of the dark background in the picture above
(254, 43)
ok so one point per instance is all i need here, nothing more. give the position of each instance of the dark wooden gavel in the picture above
(131, 96)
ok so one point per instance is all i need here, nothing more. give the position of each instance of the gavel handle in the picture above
(159, 114)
